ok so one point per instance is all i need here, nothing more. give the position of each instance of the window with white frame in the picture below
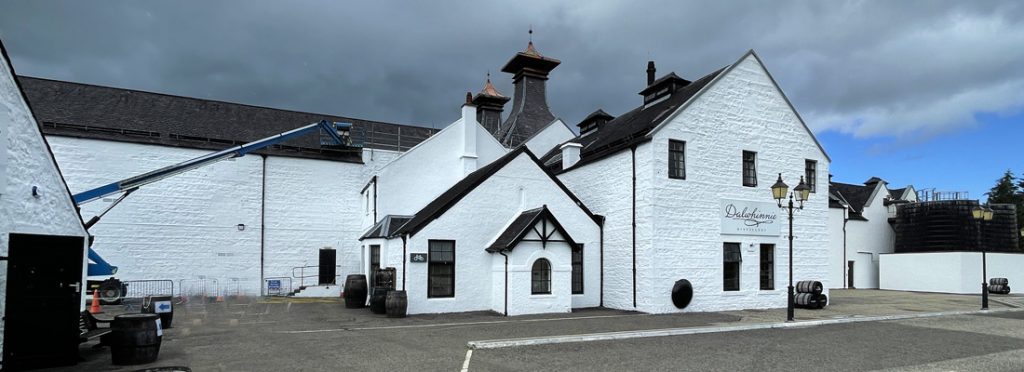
(441, 268)
(541, 277)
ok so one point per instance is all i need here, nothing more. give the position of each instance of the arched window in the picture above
(541, 277)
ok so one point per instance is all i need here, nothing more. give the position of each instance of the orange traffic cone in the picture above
(220, 298)
(95, 308)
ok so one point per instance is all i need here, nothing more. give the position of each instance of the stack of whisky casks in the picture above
(809, 296)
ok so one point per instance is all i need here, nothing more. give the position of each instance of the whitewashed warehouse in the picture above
(516, 215)
(229, 224)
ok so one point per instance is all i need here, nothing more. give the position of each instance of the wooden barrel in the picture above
(134, 338)
(999, 281)
(355, 291)
(821, 301)
(162, 306)
(396, 303)
(803, 300)
(682, 293)
(809, 286)
(378, 300)
(999, 289)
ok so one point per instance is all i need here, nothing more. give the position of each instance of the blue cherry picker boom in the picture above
(331, 133)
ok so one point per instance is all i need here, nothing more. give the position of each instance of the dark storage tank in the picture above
(947, 225)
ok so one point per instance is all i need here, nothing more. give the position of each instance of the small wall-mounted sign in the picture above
(417, 257)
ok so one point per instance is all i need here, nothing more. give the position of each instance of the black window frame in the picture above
(534, 280)
(677, 160)
(577, 270)
(374, 262)
(749, 168)
(732, 259)
(433, 266)
(767, 273)
(811, 174)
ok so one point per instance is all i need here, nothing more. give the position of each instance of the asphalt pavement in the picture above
(286, 334)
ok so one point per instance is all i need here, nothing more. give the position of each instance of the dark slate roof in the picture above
(857, 195)
(521, 225)
(873, 180)
(454, 194)
(632, 127)
(897, 193)
(385, 227)
(98, 112)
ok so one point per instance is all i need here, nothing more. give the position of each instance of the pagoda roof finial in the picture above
(489, 90)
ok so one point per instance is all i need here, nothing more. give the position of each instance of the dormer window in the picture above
(662, 88)
(593, 122)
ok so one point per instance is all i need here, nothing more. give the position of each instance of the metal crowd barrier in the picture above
(277, 286)
(138, 290)
(201, 290)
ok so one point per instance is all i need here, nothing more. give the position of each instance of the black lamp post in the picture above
(982, 214)
(802, 192)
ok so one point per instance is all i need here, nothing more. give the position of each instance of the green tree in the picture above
(1006, 190)
(1009, 191)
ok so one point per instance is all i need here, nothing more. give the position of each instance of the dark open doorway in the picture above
(328, 266)
(849, 275)
(44, 275)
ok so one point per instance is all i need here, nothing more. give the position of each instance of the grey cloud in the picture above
(899, 69)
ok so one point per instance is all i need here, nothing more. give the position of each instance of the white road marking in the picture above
(608, 336)
(434, 325)
(465, 364)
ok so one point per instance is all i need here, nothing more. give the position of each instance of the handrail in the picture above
(302, 273)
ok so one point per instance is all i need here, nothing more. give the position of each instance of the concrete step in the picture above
(327, 290)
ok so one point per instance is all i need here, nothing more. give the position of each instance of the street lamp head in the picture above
(977, 212)
(802, 191)
(988, 214)
(779, 189)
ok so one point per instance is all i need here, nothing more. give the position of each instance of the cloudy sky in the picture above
(929, 93)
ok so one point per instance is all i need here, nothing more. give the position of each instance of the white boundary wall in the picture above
(948, 272)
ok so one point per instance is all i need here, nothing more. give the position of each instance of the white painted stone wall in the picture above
(374, 160)
(678, 227)
(416, 177)
(186, 227)
(25, 162)
(312, 204)
(836, 260)
(552, 135)
(948, 272)
(606, 188)
(866, 240)
(520, 271)
(476, 220)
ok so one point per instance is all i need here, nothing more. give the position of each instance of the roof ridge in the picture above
(18, 77)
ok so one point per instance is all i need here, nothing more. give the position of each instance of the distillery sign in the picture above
(744, 217)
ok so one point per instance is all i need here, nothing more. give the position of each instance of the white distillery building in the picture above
(677, 188)
(42, 241)
(515, 214)
(860, 222)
